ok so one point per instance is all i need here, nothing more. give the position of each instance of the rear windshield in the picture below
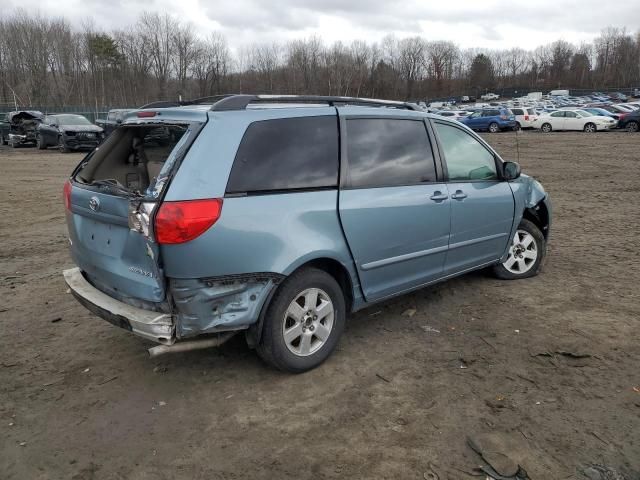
(136, 158)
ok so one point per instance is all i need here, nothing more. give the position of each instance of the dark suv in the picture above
(630, 121)
(276, 216)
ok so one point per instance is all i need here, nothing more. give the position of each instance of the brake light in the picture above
(180, 222)
(66, 194)
(526, 117)
(146, 114)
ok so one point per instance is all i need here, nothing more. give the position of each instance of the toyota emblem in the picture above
(94, 204)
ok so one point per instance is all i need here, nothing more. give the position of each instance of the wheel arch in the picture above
(328, 264)
(539, 216)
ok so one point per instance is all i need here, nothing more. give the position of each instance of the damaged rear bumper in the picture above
(151, 325)
(202, 306)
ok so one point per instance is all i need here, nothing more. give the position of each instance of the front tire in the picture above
(526, 253)
(494, 127)
(40, 143)
(304, 321)
(4, 140)
(590, 128)
(62, 146)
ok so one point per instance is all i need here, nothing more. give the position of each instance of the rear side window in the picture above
(517, 111)
(388, 152)
(286, 154)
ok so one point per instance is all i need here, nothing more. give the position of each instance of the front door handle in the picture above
(459, 195)
(438, 196)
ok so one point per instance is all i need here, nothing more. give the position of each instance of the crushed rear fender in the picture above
(210, 305)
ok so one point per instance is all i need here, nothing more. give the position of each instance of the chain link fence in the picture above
(90, 113)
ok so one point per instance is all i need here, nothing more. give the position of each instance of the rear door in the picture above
(393, 206)
(557, 120)
(482, 205)
(572, 121)
(111, 199)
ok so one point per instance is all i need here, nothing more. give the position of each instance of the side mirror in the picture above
(510, 170)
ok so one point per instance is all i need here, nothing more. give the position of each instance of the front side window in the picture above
(466, 158)
(570, 114)
(557, 114)
(286, 154)
(388, 152)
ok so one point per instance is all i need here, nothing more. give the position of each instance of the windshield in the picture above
(69, 120)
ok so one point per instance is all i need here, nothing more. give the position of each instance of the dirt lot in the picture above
(547, 366)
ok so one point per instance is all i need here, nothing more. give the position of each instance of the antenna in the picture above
(517, 145)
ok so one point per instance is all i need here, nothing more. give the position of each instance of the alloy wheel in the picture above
(523, 253)
(308, 322)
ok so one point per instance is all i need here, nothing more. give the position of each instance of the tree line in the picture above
(45, 61)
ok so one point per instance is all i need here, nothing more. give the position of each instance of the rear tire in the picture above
(546, 128)
(517, 127)
(494, 127)
(632, 127)
(526, 253)
(304, 321)
(590, 128)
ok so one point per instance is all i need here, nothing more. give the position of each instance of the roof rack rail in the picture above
(181, 103)
(241, 101)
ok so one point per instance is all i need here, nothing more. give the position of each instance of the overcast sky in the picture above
(469, 23)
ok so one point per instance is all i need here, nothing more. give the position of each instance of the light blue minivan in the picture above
(277, 215)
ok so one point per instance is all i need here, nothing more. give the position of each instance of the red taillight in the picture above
(179, 222)
(66, 194)
(146, 114)
(526, 117)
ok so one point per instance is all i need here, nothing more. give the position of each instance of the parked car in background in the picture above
(113, 120)
(453, 114)
(489, 96)
(602, 112)
(180, 254)
(491, 119)
(68, 132)
(524, 116)
(618, 97)
(19, 128)
(630, 122)
(619, 108)
(578, 120)
(4, 129)
(636, 93)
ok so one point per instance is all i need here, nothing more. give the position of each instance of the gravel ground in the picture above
(545, 367)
